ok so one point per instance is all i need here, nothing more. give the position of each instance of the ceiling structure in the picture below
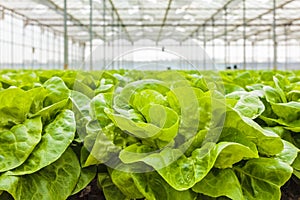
(205, 20)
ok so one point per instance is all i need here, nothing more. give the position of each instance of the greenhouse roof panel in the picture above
(157, 20)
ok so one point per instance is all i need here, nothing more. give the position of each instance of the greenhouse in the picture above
(149, 99)
(49, 33)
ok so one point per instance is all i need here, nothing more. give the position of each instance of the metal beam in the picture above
(132, 19)
(121, 21)
(289, 23)
(171, 25)
(258, 39)
(158, 18)
(153, 8)
(164, 20)
(257, 17)
(210, 18)
(37, 22)
(60, 10)
(291, 36)
(251, 34)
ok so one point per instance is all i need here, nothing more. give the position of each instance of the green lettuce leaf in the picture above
(54, 182)
(56, 138)
(272, 95)
(231, 153)
(147, 97)
(279, 85)
(110, 190)
(123, 99)
(288, 154)
(220, 183)
(86, 176)
(14, 107)
(100, 147)
(154, 187)
(291, 110)
(268, 142)
(249, 106)
(49, 112)
(97, 106)
(81, 109)
(18, 142)
(261, 178)
(161, 129)
(57, 91)
(183, 172)
(125, 183)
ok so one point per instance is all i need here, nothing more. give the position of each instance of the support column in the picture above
(120, 51)
(226, 39)
(244, 36)
(286, 47)
(91, 35)
(41, 47)
(48, 49)
(54, 50)
(275, 63)
(83, 53)
(12, 40)
(213, 40)
(32, 47)
(59, 52)
(112, 38)
(66, 43)
(71, 54)
(1, 36)
(269, 52)
(252, 45)
(228, 53)
(23, 44)
(104, 34)
(56, 57)
(204, 53)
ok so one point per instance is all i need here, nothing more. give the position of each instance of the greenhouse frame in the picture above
(149, 99)
(54, 33)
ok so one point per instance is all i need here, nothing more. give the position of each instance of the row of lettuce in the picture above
(149, 135)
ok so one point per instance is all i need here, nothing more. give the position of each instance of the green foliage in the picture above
(18, 142)
(56, 181)
(148, 135)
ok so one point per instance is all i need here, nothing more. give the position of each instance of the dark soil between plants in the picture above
(290, 191)
(91, 192)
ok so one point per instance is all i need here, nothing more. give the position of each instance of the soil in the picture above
(290, 191)
(91, 192)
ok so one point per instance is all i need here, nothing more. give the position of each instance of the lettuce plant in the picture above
(148, 135)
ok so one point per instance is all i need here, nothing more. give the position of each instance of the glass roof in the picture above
(157, 20)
